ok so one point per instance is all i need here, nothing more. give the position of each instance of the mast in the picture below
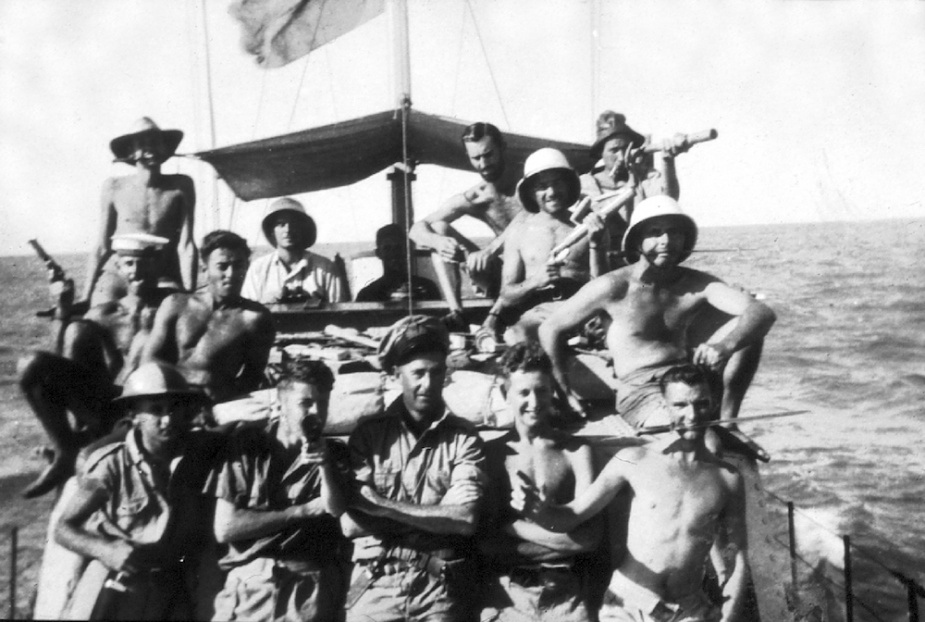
(402, 174)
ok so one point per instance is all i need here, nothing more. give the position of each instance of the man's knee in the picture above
(35, 369)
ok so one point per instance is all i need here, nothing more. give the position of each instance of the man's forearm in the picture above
(734, 590)
(549, 337)
(580, 540)
(248, 524)
(751, 326)
(441, 519)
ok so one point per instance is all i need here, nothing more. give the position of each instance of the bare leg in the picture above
(51, 411)
(488, 282)
(737, 377)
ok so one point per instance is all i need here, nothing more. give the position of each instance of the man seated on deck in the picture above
(683, 497)
(219, 340)
(96, 353)
(138, 512)
(392, 249)
(491, 201)
(420, 473)
(280, 490)
(292, 273)
(532, 283)
(538, 576)
(617, 145)
(147, 202)
(652, 304)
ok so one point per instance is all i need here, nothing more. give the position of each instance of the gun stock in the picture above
(690, 139)
(55, 269)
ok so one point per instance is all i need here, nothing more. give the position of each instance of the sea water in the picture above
(848, 345)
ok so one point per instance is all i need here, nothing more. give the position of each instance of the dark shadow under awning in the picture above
(344, 153)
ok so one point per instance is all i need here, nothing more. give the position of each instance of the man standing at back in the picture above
(683, 497)
(219, 340)
(652, 304)
(292, 273)
(147, 202)
(420, 473)
(490, 201)
(539, 577)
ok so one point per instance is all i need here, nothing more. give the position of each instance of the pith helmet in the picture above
(611, 124)
(411, 335)
(546, 159)
(306, 224)
(157, 380)
(121, 146)
(654, 207)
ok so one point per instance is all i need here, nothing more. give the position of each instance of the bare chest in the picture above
(154, 210)
(548, 468)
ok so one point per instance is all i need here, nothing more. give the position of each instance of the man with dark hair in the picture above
(491, 201)
(684, 496)
(420, 474)
(136, 509)
(537, 577)
(292, 273)
(219, 340)
(653, 304)
(533, 283)
(95, 355)
(391, 249)
(147, 202)
(280, 490)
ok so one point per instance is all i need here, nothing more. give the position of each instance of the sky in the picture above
(819, 105)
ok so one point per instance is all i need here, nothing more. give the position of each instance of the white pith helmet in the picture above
(546, 159)
(655, 207)
(157, 380)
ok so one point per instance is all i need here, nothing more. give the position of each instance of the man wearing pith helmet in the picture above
(291, 273)
(138, 509)
(654, 305)
(531, 279)
(147, 202)
(420, 478)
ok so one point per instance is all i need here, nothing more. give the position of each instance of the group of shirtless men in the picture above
(408, 500)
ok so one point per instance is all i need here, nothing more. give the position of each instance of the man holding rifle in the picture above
(532, 278)
(94, 355)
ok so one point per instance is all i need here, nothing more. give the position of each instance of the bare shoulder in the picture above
(696, 280)
(255, 311)
(183, 183)
(625, 462)
(100, 312)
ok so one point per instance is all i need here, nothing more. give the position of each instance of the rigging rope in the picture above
(491, 72)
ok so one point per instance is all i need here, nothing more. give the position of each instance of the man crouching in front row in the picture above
(280, 490)
(683, 496)
(134, 513)
(539, 578)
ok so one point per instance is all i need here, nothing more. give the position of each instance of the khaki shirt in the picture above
(385, 454)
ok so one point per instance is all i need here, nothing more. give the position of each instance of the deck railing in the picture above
(854, 605)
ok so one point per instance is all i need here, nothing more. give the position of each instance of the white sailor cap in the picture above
(137, 243)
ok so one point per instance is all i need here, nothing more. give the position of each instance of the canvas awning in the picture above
(344, 153)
